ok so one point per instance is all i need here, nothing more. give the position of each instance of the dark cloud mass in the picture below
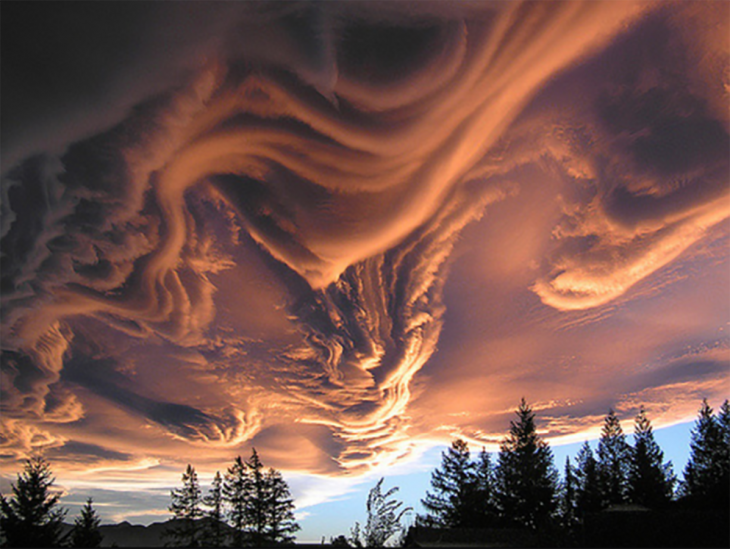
(245, 223)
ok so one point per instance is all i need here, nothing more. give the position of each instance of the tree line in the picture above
(523, 488)
(249, 506)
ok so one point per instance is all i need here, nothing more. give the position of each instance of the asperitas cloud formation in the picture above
(356, 227)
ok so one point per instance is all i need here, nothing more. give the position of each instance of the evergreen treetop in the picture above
(463, 494)
(723, 422)
(723, 454)
(588, 497)
(261, 508)
(650, 480)
(31, 517)
(236, 492)
(614, 455)
(214, 535)
(85, 532)
(568, 495)
(280, 523)
(256, 508)
(186, 507)
(707, 473)
(450, 503)
(526, 477)
(485, 508)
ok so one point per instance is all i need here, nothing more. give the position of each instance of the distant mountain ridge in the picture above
(125, 534)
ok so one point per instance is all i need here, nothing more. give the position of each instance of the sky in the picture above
(345, 233)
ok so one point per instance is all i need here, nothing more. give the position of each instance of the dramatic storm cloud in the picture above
(337, 231)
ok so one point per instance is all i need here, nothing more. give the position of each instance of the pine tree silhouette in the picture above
(86, 531)
(213, 534)
(614, 455)
(723, 421)
(236, 489)
(261, 508)
(185, 506)
(588, 490)
(280, 523)
(486, 513)
(650, 480)
(32, 517)
(568, 497)
(706, 473)
(454, 485)
(526, 476)
(257, 503)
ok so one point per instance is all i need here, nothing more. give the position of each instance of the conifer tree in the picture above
(256, 508)
(450, 505)
(588, 490)
(31, 517)
(280, 510)
(723, 421)
(85, 532)
(650, 481)
(214, 535)
(526, 476)
(706, 474)
(185, 506)
(485, 509)
(260, 505)
(236, 492)
(568, 497)
(614, 455)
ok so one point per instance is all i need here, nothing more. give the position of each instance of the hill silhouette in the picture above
(126, 534)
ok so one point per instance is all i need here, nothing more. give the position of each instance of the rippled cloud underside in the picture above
(338, 231)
